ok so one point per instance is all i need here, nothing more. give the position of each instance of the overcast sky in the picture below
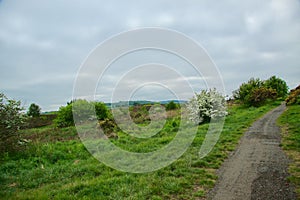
(43, 43)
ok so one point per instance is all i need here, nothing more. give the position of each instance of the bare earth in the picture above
(258, 168)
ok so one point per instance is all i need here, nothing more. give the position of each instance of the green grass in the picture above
(63, 169)
(290, 123)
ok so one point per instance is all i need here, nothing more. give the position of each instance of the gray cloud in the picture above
(43, 43)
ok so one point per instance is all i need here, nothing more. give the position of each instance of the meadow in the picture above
(56, 165)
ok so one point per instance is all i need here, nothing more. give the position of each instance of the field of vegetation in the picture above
(56, 164)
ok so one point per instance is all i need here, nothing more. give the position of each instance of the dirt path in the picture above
(258, 168)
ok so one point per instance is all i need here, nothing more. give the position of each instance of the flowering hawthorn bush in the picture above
(206, 105)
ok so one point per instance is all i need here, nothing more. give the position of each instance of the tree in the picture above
(206, 105)
(34, 110)
(64, 116)
(245, 90)
(256, 92)
(278, 85)
(12, 119)
(101, 111)
(171, 105)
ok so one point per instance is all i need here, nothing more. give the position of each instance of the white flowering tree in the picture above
(11, 119)
(206, 105)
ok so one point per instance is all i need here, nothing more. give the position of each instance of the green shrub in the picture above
(101, 111)
(256, 92)
(64, 116)
(171, 106)
(245, 90)
(34, 110)
(260, 95)
(294, 97)
(83, 110)
(278, 85)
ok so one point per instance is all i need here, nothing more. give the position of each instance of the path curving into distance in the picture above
(258, 167)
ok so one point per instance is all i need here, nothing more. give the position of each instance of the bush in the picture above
(256, 92)
(101, 111)
(260, 95)
(171, 106)
(294, 97)
(83, 110)
(34, 110)
(206, 105)
(245, 90)
(278, 85)
(64, 116)
(12, 119)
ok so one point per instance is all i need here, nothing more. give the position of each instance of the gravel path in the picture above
(258, 168)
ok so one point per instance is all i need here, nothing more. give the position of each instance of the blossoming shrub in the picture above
(206, 105)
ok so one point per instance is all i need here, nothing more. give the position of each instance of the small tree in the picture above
(12, 119)
(171, 105)
(206, 105)
(245, 90)
(34, 110)
(278, 85)
(101, 111)
(64, 116)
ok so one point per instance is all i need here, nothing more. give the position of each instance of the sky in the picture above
(44, 43)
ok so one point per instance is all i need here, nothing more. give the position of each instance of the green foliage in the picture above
(278, 85)
(12, 119)
(101, 111)
(245, 90)
(65, 116)
(294, 97)
(34, 110)
(171, 106)
(206, 105)
(83, 110)
(259, 96)
(256, 92)
(66, 170)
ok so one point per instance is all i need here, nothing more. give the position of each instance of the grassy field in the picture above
(290, 123)
(56, 165)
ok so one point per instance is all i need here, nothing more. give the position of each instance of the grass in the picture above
(290, 124)
(57, 166)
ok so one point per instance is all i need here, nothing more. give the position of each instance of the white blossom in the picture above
(208, 104)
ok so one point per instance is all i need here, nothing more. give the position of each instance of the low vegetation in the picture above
(290, 121)
(56, 165)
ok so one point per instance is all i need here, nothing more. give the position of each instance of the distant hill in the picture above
(141, 102)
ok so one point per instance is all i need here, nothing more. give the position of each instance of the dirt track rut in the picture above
(258, 168)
